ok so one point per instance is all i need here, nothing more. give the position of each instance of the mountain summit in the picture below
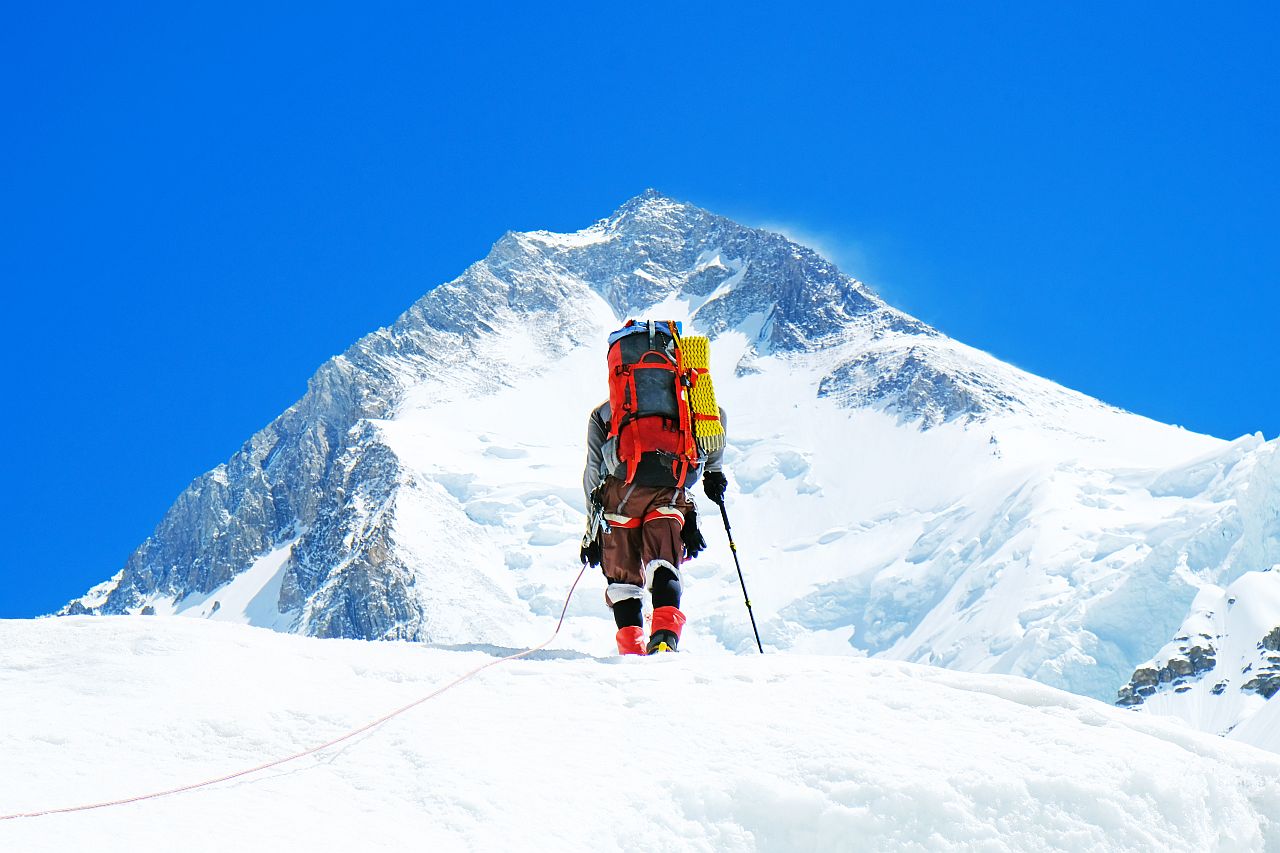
(895, 492)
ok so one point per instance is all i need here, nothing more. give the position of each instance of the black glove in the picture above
(714, 484)
(590, 553)
(691, 536)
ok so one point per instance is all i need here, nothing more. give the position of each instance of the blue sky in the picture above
(201, 205)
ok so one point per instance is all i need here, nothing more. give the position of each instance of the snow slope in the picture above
(572, 752)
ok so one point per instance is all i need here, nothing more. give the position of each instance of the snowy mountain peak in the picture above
(654, 250)
(899, 493)
(649, 206)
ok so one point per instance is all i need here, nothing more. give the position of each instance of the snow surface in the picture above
(571, 752)
(1262, 729)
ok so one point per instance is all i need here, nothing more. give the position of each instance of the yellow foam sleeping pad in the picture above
(707, 429)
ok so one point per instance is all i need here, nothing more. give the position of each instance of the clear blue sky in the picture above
(200, 206)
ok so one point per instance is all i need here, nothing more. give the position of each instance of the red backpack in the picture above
(650, 413)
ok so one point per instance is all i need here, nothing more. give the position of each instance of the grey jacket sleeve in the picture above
(597, 432)
(714, 457)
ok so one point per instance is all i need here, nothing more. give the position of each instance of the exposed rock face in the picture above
(1265, 684)
(1193, 661)
(367, 592)
(276, 484)
(1266, 675)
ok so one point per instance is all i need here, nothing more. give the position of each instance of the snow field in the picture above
(569, 752)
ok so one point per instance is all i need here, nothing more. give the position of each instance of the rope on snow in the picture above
(313, 750)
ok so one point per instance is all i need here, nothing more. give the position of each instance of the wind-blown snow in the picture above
(570, 752)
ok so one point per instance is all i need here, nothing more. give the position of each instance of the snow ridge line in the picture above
(467, 676)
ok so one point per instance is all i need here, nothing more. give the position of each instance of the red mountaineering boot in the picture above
(665, 636)
(630, 641)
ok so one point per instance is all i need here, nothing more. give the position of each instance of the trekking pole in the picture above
(724, 513)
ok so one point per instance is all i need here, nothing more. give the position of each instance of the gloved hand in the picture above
(691, 536)
(590, 552)
(714, 484)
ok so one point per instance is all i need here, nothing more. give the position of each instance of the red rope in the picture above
(277, 762)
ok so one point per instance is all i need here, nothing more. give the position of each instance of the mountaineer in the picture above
(659, 432)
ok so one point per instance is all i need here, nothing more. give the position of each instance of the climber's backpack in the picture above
(659, 426)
